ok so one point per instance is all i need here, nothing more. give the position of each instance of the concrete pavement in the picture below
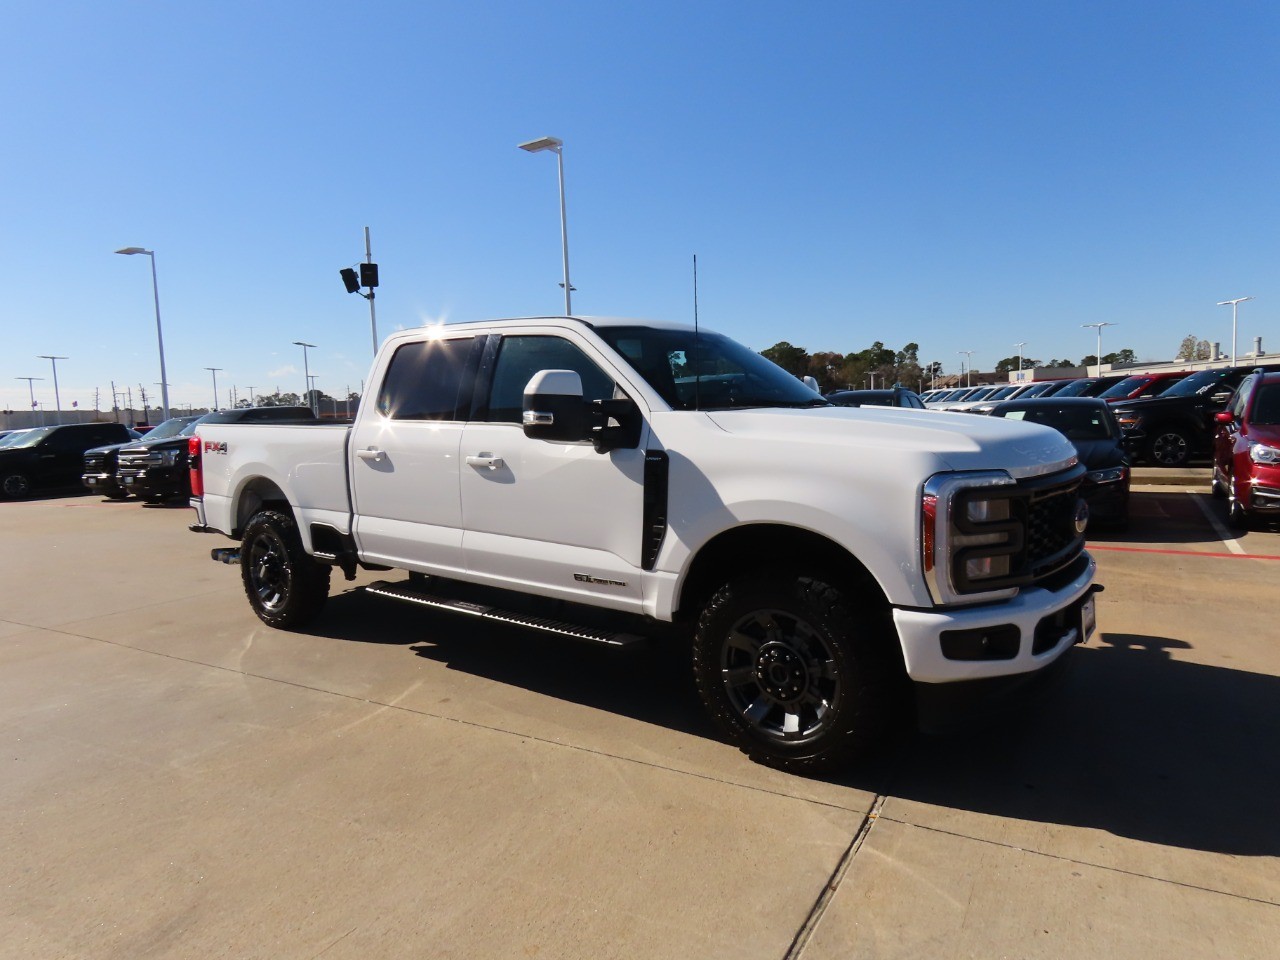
(181, 781)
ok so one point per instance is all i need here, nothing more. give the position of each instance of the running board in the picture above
(411, 593)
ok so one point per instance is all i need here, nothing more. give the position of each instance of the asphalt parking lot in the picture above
(181, 781)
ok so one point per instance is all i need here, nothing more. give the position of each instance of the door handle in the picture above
(372, 453)
(485, 460)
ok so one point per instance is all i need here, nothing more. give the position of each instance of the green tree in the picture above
(794, 360)
(1009, 364)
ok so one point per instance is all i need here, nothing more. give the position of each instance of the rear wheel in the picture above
(15, 486)
(788, 672)
(285, 587)
(1168, 447)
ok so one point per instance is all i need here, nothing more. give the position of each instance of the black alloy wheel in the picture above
(788, 673)
(1168, 447)
(15, 486)
(285, 587)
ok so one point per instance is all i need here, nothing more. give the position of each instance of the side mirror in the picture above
(1223, 416)
(616, 424)
(811, 383)
(553, 407)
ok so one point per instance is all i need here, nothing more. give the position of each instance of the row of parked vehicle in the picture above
(114, 460)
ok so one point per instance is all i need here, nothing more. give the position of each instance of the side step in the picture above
(413, 593)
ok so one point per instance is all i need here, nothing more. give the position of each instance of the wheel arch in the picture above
(758, 546)
(258, 493)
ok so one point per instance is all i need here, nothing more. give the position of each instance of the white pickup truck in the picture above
(643, 477)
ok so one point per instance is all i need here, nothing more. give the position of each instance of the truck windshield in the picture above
(716, 373)
(170, 428)
(1196, 383)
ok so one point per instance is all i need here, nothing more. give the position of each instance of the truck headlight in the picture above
(970, 531)
(1128, 421)
(1261, 453)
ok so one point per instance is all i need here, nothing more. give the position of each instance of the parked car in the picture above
(1179, 424)
(52, 456)
(100, 468)
(1246, 451)
(1092, 429)
(889, 397)
(1141, 385)
(155, 469)
(13, 436)
(1089, 386)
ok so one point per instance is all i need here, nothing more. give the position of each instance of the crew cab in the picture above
(612, 479)
(52, 456)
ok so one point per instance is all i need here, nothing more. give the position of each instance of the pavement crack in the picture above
(819, 908)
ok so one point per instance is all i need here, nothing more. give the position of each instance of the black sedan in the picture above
(1092, 429)
(888, 397)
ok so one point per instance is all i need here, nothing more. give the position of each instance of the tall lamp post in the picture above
(1020, 347)
(968, 367)
(57, 400)
(32, 390)
(1099, 326)
(155, 289)
(1235, 305)
(556, 146)
(306, 370)
(214, 371)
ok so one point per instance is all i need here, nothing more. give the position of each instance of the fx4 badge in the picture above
(215, 446)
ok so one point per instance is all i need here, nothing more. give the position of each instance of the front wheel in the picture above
(791, 676)
(15, 486)
(285, 587)
(1237, 516)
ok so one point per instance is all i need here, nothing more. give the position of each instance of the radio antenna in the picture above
(697, 373)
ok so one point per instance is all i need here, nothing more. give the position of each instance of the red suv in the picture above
(1141, 385)
(1246, 451)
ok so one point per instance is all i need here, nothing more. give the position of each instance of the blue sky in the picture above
(961, 175)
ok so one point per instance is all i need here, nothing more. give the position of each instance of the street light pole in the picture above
(1235, 304)
(214, 371)
(968, 367)
(1098, 357)
(306, 370)
(1020, 346)
(32, 390)
(556, 146)
(155, 289)
(57, 400)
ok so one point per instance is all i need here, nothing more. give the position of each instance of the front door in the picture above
(404, 459)
(550, 517)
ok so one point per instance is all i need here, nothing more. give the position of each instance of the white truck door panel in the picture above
(404, 458)
(558, 518)
(545, 516)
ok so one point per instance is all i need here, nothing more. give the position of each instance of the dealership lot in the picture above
(182, 781)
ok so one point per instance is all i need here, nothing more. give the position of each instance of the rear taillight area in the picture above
(195, 464)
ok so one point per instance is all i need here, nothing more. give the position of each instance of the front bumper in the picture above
(153, 482)
(920, 632)
(100, 481)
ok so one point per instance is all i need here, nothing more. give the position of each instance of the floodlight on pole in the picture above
(57, 400)
(1099, 326)
(306, 370)
(1235, 304)
(556, 146)
(1020, 346)
(214, 371)
(968, 368)
(155, 289)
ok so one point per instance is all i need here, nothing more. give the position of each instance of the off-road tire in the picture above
(792, 675)
(15, 486)
(285, 587)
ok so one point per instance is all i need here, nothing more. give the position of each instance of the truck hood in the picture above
(962, 441)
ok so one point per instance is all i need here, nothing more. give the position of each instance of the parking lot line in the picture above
(1223, 534)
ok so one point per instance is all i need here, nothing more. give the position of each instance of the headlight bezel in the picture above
(1264, 454)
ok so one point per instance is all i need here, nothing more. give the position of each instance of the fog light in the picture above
(981, 568)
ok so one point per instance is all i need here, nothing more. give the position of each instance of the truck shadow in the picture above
(1126, 738)
(1129, 740)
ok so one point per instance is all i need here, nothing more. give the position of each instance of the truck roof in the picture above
(584, 320)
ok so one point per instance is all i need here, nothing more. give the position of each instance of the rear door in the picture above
(404, 456)
(544, 516)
